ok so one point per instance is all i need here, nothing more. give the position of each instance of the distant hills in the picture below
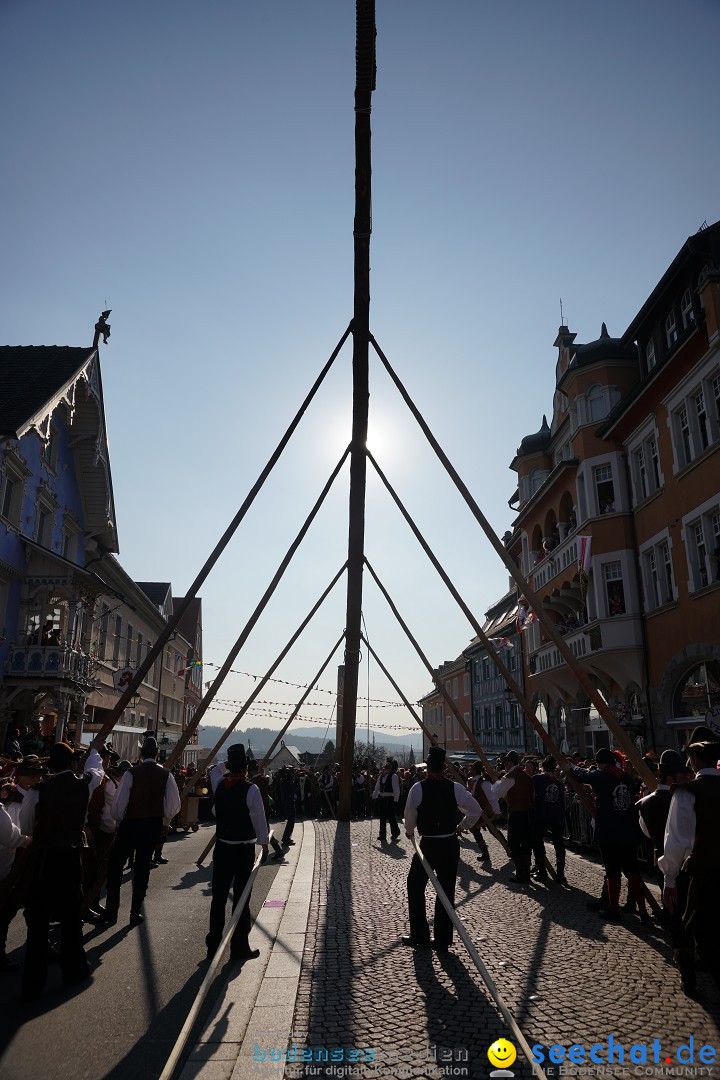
(305, 738)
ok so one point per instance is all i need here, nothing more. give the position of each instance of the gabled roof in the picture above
(31, 375)
(157, 591)
(191, 617)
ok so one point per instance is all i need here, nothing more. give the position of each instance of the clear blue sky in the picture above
(191, 165)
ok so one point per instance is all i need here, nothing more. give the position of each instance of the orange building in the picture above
(618, 526)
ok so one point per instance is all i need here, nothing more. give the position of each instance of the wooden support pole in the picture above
(124, 700)
(434, 676)
(192, 1016)
(303, 699)
(507, 675)
(491, 826)
(230, 659)
(583, 679)
(261, 685)
(364, 85)
(475, 957)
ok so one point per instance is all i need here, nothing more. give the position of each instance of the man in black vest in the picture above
(433, 807)
(387, 793)
(53, 813)
(241, 824)
(146, 799)
(549, 815)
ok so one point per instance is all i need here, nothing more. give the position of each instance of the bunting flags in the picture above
(524, 616)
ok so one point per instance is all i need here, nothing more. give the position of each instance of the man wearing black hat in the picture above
(692, 845)
(433, 807)
(549, 816)
(54, 814)
(146, 799)
(241, 824)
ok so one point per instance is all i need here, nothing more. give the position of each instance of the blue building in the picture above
(57, 518)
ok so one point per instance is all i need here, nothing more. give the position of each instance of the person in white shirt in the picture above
(241, 823)
(13, 864)
(387, 793)
(692, 845)
(432, 807)
(146, 799)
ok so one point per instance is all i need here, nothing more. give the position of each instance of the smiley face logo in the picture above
(502, 1053)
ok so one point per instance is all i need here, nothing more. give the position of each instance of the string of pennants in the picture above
(277, 714)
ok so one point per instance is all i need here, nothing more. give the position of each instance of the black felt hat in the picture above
(436, 759)
(236, 758)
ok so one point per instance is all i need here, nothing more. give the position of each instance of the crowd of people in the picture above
(72, 820)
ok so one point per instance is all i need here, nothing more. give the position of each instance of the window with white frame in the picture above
(650, 355)
(117, 636)
(49, 451)
(128, 646)
(686, 309)
(695, 418)
(466, 684)
(703, 541)
(486, 667)
(499, 718)
(12, 479)
(455, 688)
(605, 489)
(596, 404)
(671, 333)
(658, 574)
(44, 522)
(139, 651)
(645, 466)
(4, 593)
(104, 620)
(614, 588)
(487, 718)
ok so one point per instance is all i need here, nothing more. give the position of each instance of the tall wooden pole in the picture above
(364, 86)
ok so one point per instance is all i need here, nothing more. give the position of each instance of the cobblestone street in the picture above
(566, 975)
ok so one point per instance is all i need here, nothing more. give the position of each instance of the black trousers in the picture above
(519, 836)
(540, 828)
(232, 866)
(443, 854)
(55, 890)
(135, 838)
(386, 813)
(289, 811)
(359, 801)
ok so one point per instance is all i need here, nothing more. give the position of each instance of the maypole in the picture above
(364, 86)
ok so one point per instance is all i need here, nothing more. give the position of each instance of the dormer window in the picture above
(650, 355)
(671, 334)
(686, 309)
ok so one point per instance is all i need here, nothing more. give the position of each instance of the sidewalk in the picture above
(257, 1005)
(339, 989)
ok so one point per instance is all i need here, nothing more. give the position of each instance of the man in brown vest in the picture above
(53, 813)
(516, 787)
(146, 798)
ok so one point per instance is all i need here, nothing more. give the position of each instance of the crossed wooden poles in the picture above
(611, 721)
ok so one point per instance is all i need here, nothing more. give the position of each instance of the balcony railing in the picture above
(579, 643)
(50, 662)
(556, 562)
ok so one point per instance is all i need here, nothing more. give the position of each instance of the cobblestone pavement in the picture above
(567, 976)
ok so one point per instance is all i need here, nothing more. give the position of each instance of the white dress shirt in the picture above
(501, 787)
(93, 767)
(394, 794)
(469, 806)
(680, 831)
(10, 838)
(108, 824)
(171, 802)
